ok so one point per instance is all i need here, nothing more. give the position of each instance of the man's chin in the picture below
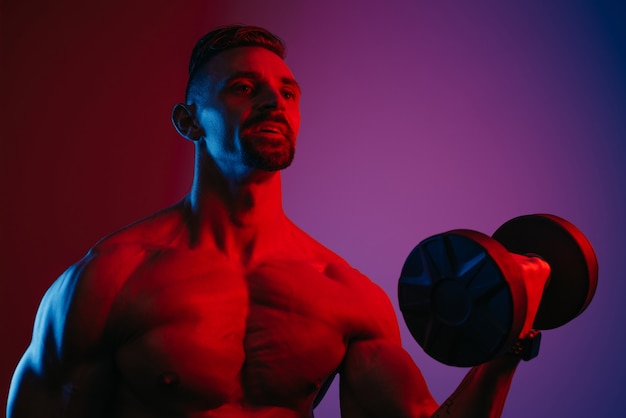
(267, 154)
(274, 160)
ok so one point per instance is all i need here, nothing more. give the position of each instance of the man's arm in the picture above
(483, 391)
(68, 369)
(80, 389)
(56, 374)
(379, 378)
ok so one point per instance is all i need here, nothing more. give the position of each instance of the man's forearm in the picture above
(483, 391)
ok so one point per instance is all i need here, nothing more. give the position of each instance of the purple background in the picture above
(418, 117)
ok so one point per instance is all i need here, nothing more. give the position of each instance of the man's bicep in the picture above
(29, 392)
(379, 379)
(64, 362)
(77, 389)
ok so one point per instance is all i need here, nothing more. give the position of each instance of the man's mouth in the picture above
(268, 124)
(269, 128)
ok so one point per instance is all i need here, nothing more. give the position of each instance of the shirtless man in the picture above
(220, 306)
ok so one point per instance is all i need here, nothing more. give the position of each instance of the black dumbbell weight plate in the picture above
(461, 297)
(573, 264)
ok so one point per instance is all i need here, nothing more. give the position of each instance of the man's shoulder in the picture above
(112, 259)
(87, 290)
(159, 230)
(310, 248)
(333, 265)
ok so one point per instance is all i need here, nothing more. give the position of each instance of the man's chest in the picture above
(203, 328)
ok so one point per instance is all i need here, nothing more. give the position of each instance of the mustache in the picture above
(268, 117)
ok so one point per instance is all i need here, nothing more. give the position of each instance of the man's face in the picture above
(249, 110)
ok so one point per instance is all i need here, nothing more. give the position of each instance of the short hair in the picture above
(229, 37)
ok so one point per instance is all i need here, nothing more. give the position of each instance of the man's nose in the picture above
(271, 98)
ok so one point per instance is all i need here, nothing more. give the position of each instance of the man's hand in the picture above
(536, 275)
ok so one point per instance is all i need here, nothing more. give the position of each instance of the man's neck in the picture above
(239, 216)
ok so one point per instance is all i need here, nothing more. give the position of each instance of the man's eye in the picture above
(243, 89)
(288, 95)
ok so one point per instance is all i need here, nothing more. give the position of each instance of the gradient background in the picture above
(418, 117)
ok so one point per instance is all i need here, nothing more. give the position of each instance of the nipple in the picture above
(168, 380)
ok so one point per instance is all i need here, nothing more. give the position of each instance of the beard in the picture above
(267, 154)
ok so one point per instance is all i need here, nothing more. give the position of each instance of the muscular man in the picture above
(220, 306)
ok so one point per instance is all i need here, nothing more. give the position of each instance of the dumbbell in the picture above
(462, 294)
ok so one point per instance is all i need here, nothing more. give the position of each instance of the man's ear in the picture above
(184, 120)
